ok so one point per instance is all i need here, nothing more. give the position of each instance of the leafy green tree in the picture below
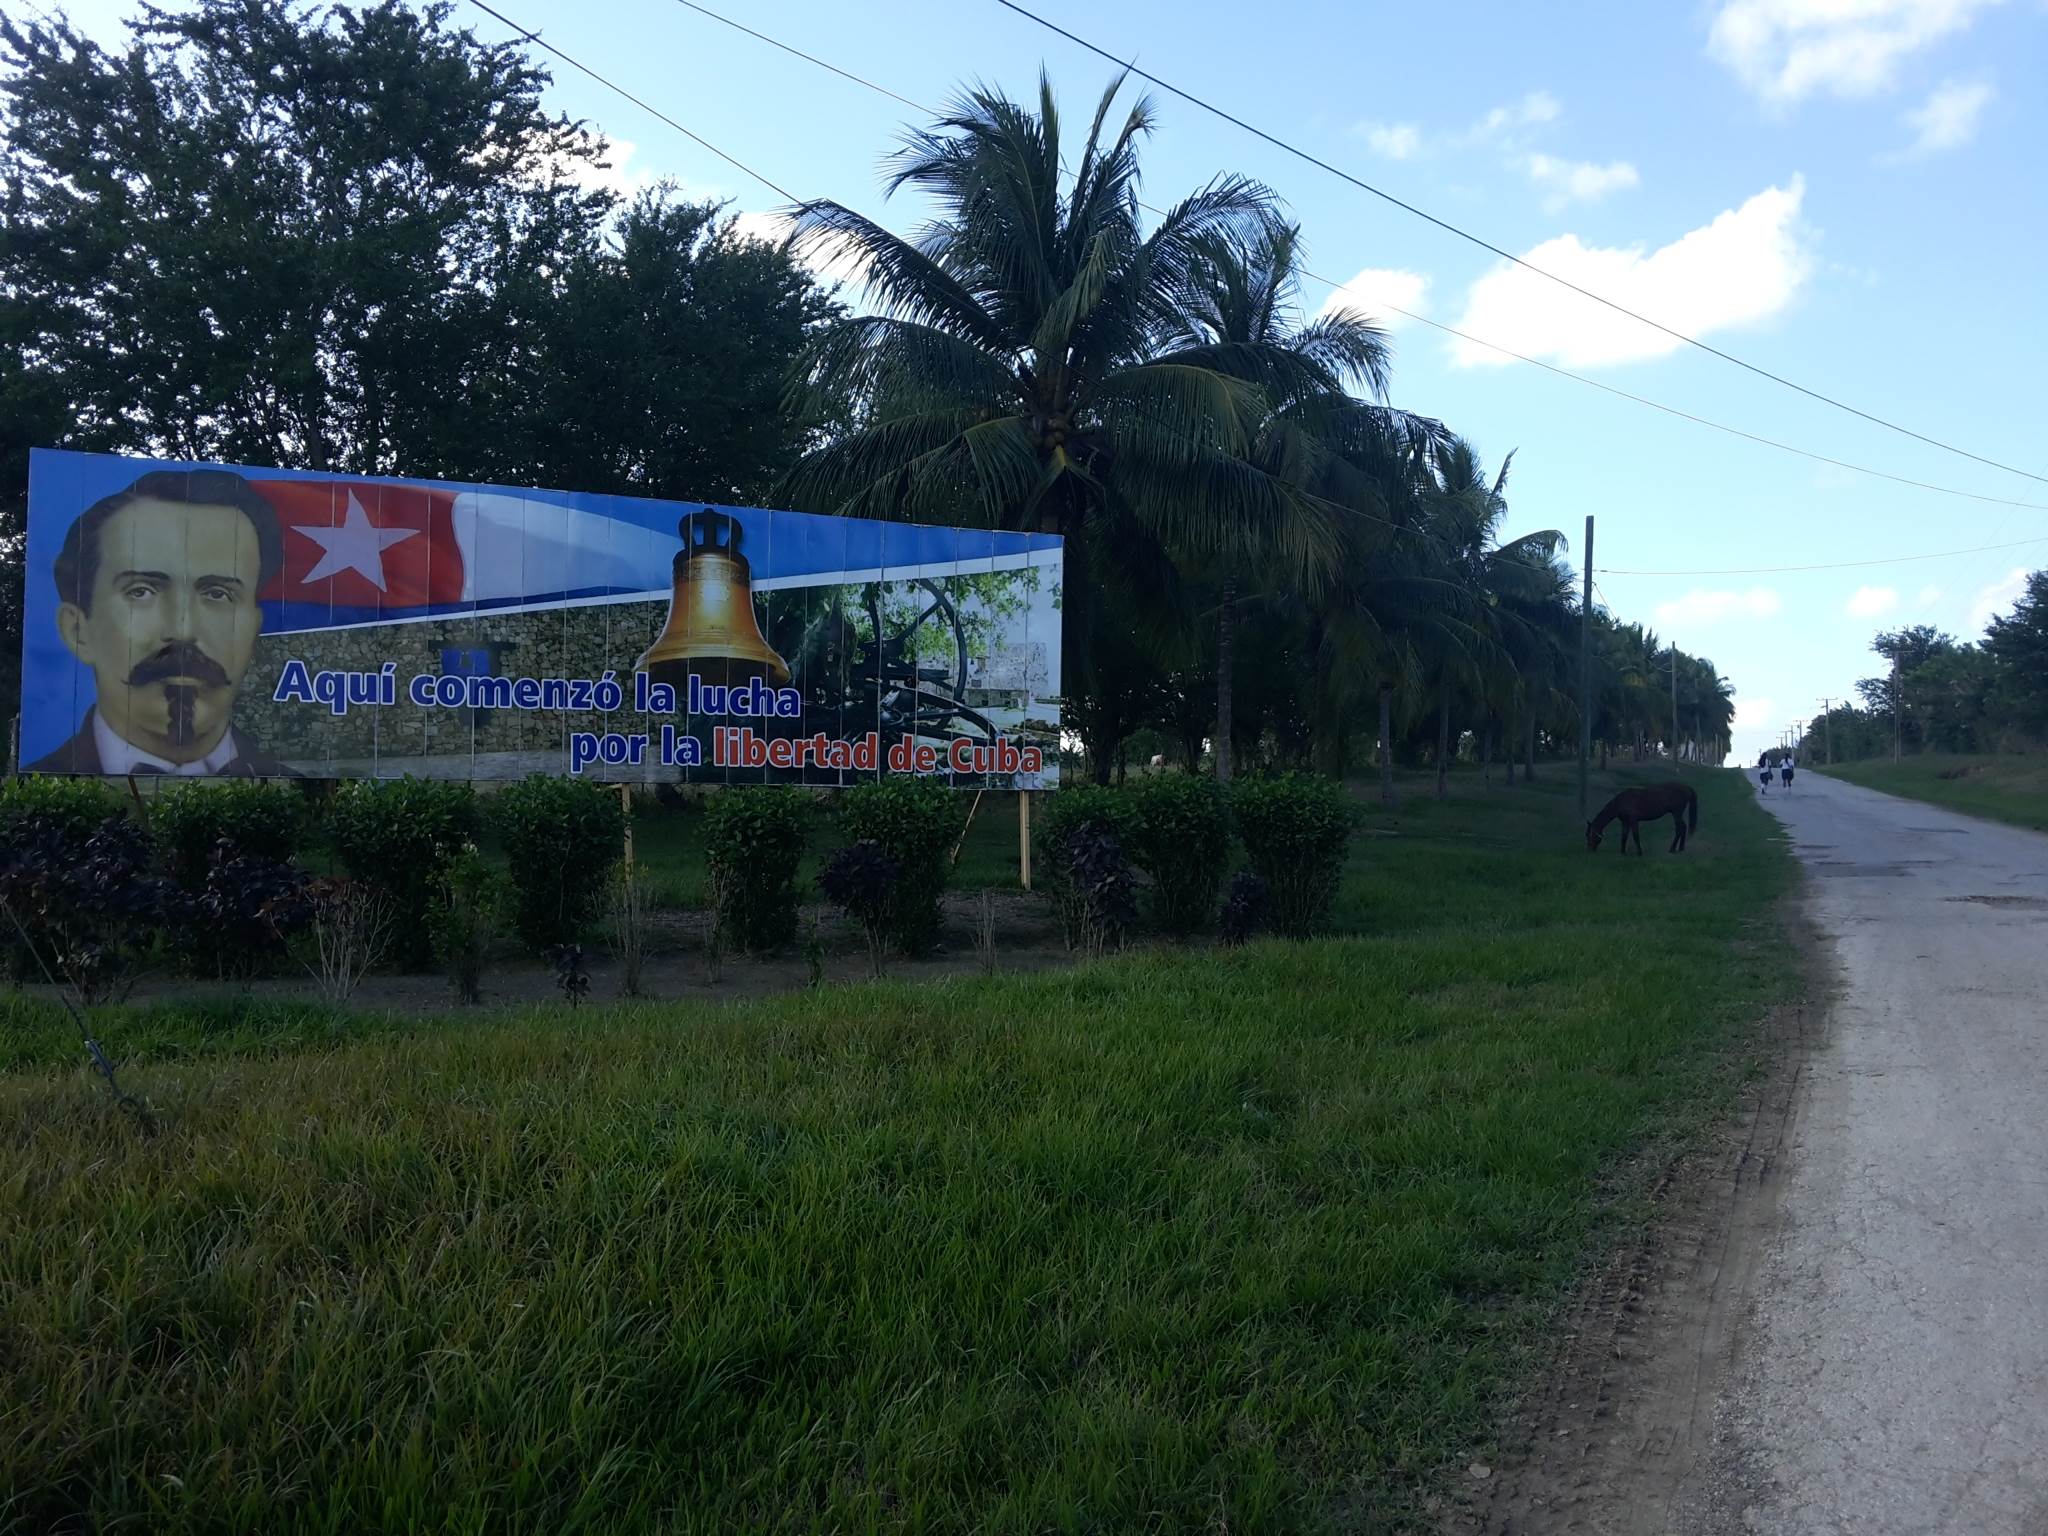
(351, 238)
(2017, 646)
(1014, 375)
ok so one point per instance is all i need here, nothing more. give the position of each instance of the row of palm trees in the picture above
(1239, 501)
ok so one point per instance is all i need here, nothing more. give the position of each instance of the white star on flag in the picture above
(357, 545)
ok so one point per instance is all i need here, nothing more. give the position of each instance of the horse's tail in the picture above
(1692, 812)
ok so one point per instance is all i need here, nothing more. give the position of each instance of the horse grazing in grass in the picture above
(1633, 807)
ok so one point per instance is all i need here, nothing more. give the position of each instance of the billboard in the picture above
(203, 619)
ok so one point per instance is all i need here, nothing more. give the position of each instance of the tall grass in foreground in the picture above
(1171, 1242)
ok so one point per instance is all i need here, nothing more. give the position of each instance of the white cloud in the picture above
(1536, 108)
(1705, 605)
(828, 265)
(617, 176)
(1998, 597)
(1947, 120)
(1753, 714)
(1743, 267)
(1869, 602)
(1578, 181)
(1393, 141)
(1786, 50)
(1929, 596)
(1374, 289)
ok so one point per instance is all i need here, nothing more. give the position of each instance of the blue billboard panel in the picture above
(201, 620)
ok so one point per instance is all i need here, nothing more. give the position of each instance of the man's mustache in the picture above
(180, 660)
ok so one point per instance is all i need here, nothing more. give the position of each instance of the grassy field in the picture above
(2001, 788)
(1191, 1240)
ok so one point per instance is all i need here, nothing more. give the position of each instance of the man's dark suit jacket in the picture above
(81, 755)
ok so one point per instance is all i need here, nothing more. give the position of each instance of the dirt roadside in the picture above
(1615, 1436)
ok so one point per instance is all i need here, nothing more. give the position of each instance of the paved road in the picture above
(1892, 1376)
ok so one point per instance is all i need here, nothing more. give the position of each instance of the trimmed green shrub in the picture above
(1180, 835)
(69, 811)
(262, 819)
(562, 838)
(1055, 818)
(470, 896)
(76, 807)
(916, 822)
(755, 839)
(396, 836)
(1296, 830)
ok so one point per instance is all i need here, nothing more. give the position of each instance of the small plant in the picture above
(915, 822)
(350, 929)
(245, 913)
(259, 819)
(1244, 907)
(985, 933)
(717, 930)
(397, 836)
(860, 879)
(627, 927)
(1064, 814)
(570, 974)
(1179, 834)
(1104, 885)
(755, 840)
(1296, 830)
(562, 838)
(814, 955)
(465, 921)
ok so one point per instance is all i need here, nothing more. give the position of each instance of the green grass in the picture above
(1184, 1240)
(2006, 788)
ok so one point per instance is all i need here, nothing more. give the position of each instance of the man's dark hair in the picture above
(78, 562)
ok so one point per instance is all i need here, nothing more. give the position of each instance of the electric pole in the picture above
(1827, 723)
(1898, 714)
(1586, 669)
(1674, 704)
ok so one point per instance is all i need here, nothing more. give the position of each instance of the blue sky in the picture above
(1836, 190)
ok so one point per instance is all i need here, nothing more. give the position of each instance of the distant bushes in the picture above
(260, 819)
(1179, 834)
(754, 841)
(562, 837)
(915, 822)
(1296, 831)
(397, 836)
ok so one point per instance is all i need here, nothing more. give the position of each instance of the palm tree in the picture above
(1238, 311)
(1505, 586)
(1013, 375)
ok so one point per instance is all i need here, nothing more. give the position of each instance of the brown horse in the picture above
(1633, 807)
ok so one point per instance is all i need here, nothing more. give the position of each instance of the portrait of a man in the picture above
(157, 588)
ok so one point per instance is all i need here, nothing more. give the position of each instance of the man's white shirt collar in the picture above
(119, 757)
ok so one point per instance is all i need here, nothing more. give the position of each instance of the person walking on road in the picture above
(1785, 773)
(1763, 774)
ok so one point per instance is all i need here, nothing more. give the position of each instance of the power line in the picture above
(1487, 245)
(538, 41)
(1409, 314)
(1834, 565)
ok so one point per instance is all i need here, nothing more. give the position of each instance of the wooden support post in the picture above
(626, 805)
(1024, 838)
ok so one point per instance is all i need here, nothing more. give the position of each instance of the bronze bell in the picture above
(711, 629)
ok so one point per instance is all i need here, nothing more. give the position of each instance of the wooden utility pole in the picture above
(1586, 669)
(1827, 729)
(1898, 714)
(1674, 704)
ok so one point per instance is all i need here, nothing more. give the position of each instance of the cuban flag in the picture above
(369, 552)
